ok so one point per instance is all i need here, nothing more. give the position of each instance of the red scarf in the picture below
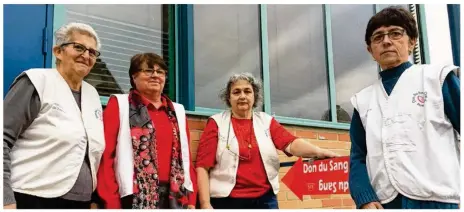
(146, 161)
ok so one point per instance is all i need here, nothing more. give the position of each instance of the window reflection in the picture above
(226, 40)
(354, 67)
(124, 31)
(297, 57)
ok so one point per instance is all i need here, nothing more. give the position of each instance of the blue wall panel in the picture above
(27, 39)
(454, 15)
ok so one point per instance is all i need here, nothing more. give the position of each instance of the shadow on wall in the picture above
(102, 79)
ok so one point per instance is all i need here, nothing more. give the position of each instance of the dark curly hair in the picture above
(393, 15)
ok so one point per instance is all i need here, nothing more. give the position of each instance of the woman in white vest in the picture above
(237, 160)
(53, 131)
(147, 162)
(404, 150)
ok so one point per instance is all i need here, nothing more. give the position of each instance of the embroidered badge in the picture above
(419, 98)
(98, 114)
(56, 106)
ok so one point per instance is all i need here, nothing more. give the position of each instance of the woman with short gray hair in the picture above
(53, 130)
(237, 160)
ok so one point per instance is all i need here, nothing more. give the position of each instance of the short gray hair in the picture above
(63, 34)
(255, 84)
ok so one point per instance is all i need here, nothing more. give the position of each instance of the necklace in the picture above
(249, 146)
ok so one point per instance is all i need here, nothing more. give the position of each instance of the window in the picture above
(354, 67)
(124, 31)
(383, 6)
(297, 61)
(311, 58)
(226, 41)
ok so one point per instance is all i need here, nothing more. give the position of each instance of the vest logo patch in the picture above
(419, 98)
(98, 114)
(56, 106)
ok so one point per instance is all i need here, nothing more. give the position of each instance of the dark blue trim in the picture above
(48, 36)
(454, 17)
(287, 164)
(186, 57)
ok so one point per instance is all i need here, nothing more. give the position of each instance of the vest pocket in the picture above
(397, 133)
(400, 142)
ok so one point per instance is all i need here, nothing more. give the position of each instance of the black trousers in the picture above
(266, 201)
(126, 202)
(26, 201)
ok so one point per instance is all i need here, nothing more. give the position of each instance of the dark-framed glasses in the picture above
(394, 34)
(81, 49)
(150, 71)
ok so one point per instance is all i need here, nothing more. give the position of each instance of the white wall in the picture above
(438, 33)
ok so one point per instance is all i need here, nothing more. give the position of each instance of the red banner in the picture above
(329, 176)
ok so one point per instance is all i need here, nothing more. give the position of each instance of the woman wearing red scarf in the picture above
(146, 163)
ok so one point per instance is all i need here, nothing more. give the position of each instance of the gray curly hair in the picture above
(255, 84)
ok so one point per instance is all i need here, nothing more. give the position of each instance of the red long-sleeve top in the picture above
(251, 176)
(107, 187)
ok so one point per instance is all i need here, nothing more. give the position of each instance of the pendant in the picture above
(249, 146)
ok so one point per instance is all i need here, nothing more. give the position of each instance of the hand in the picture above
(93, 205)
(190, 206)
(206, 206)
(372, 205)
(10, 206)
(324, 153)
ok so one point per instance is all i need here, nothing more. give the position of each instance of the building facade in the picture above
(311, 58)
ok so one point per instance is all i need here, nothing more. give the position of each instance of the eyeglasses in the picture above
(395, 34)
(81, 49)
(149, 72)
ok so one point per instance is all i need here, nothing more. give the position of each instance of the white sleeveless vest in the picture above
(48, 156)
(124, 161)
(411, 146)
(222, 176)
